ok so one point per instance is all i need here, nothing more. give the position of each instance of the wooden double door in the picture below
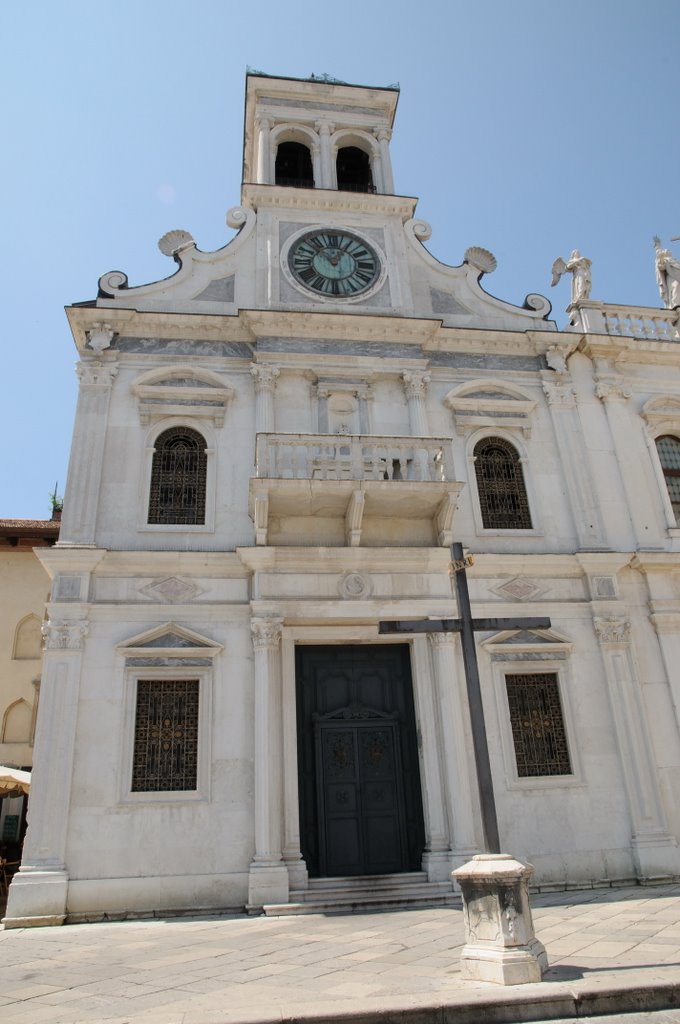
(360, 798)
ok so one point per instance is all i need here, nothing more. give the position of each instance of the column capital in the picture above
(383, 134)
(263, 123)
(612, 629)
(442, 639)
(266, 631)
(264, 375)
(95, 372)
(65, 635)
(325, 127)
(559, 394)
(415, 383)
(612, 391)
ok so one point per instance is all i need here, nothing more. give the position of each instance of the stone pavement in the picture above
(610, 950)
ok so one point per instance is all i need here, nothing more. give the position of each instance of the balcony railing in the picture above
(643, 322)
(353, 457)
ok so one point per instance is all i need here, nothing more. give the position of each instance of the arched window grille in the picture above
(294, 165)
(669, 456)
(354, 170)
(500, 485)
(178, 475)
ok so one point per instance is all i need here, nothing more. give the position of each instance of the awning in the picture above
(14, 782)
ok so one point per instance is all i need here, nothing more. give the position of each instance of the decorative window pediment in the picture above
(170, 640)
(662, 415)
(527, 645)
(490, 404)
(181, 391)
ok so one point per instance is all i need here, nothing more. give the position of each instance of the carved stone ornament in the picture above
(519, 589)
(174, 242)
(60, 635)
(96, 372)
(171, 589)
(354, 585)
(441, 639)
(608, 391)
(264, 376)
(559, 394)
(612, 629)
(266, 631)
(481, 259)
(415, 384)
(100, 337)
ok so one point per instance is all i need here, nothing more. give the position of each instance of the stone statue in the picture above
(579, 267)
(667, 275)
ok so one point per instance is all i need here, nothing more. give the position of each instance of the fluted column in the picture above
(415, 387)
(383, 136)
(38, 894)
(79, 518)
(268, 882)
(586, 516)
(325, 130)
(654, 851)
(263, 174)
(265, 377)
(452, 712)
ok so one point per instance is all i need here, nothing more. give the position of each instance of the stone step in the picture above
(371, 882)
(373, 893)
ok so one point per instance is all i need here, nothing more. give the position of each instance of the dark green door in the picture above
(360, 801)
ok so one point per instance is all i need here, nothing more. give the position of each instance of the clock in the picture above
(334, 263)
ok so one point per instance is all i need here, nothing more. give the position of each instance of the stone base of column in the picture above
(267, 883)
(298, 877)
(657, 857)
(36, 898)
(501, 946)
(437, 864)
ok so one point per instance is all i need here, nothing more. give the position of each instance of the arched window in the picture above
(354, 170)
(178, 475)
(500, 485)
(294, 165)
(669, 456)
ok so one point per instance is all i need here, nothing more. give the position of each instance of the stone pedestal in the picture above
(500, 943)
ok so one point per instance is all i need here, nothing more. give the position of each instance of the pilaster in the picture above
(655, 852)
(268, 882)
(415, 388)
(265, 377)
(38, 894)
(79, 518)
(263, 165)
(383, 136)
(326, 177)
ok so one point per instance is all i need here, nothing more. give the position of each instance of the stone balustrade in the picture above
(353, 457)
(643, 322)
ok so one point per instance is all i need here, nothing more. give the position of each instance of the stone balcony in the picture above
(643, 322)
(335, 490)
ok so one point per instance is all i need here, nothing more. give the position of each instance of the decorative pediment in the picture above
(169, 639)
(181, 391)
(527, 645)
(490, 404)
(662, 414)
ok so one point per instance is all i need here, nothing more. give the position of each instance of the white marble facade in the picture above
(339, 464)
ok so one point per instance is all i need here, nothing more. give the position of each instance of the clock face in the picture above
(334, 264)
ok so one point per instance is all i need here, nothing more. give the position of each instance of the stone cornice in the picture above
(67, 559)
(327, 201)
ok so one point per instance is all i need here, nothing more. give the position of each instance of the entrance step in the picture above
(366, 893)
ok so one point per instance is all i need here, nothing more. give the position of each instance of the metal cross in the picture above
(467, 626)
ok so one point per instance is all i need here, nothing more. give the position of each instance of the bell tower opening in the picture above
(354, 170)
(293, 166)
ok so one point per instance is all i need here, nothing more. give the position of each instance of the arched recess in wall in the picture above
(357, 159)
(294, 148)
(17, 723)
(28, 639)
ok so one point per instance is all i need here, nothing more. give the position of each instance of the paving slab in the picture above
(611, 951)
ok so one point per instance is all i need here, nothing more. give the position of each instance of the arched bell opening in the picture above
(294, 165)
(354, 170)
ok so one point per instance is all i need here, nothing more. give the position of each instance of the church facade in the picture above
(274, 449)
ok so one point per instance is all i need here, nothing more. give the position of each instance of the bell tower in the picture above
(318, 134)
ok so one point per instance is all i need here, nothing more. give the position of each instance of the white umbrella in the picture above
(14, 782)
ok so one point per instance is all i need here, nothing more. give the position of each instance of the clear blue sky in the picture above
(529, 127)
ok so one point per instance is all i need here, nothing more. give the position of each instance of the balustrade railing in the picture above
(642, 322)
(353, 457)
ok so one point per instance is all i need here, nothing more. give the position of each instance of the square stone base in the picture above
(36, 898)
(517, 966)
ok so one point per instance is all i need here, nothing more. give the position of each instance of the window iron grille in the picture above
(669, 456)
(537, 722)
(166, 735)
(500, 485)
(178, 478)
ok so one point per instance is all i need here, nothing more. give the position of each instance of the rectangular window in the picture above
(537, 724)
(166, 735)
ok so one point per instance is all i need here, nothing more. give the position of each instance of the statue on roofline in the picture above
(579, 267)
(667, 275)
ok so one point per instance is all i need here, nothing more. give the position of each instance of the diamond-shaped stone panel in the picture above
(171, 589)
(519, 589)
